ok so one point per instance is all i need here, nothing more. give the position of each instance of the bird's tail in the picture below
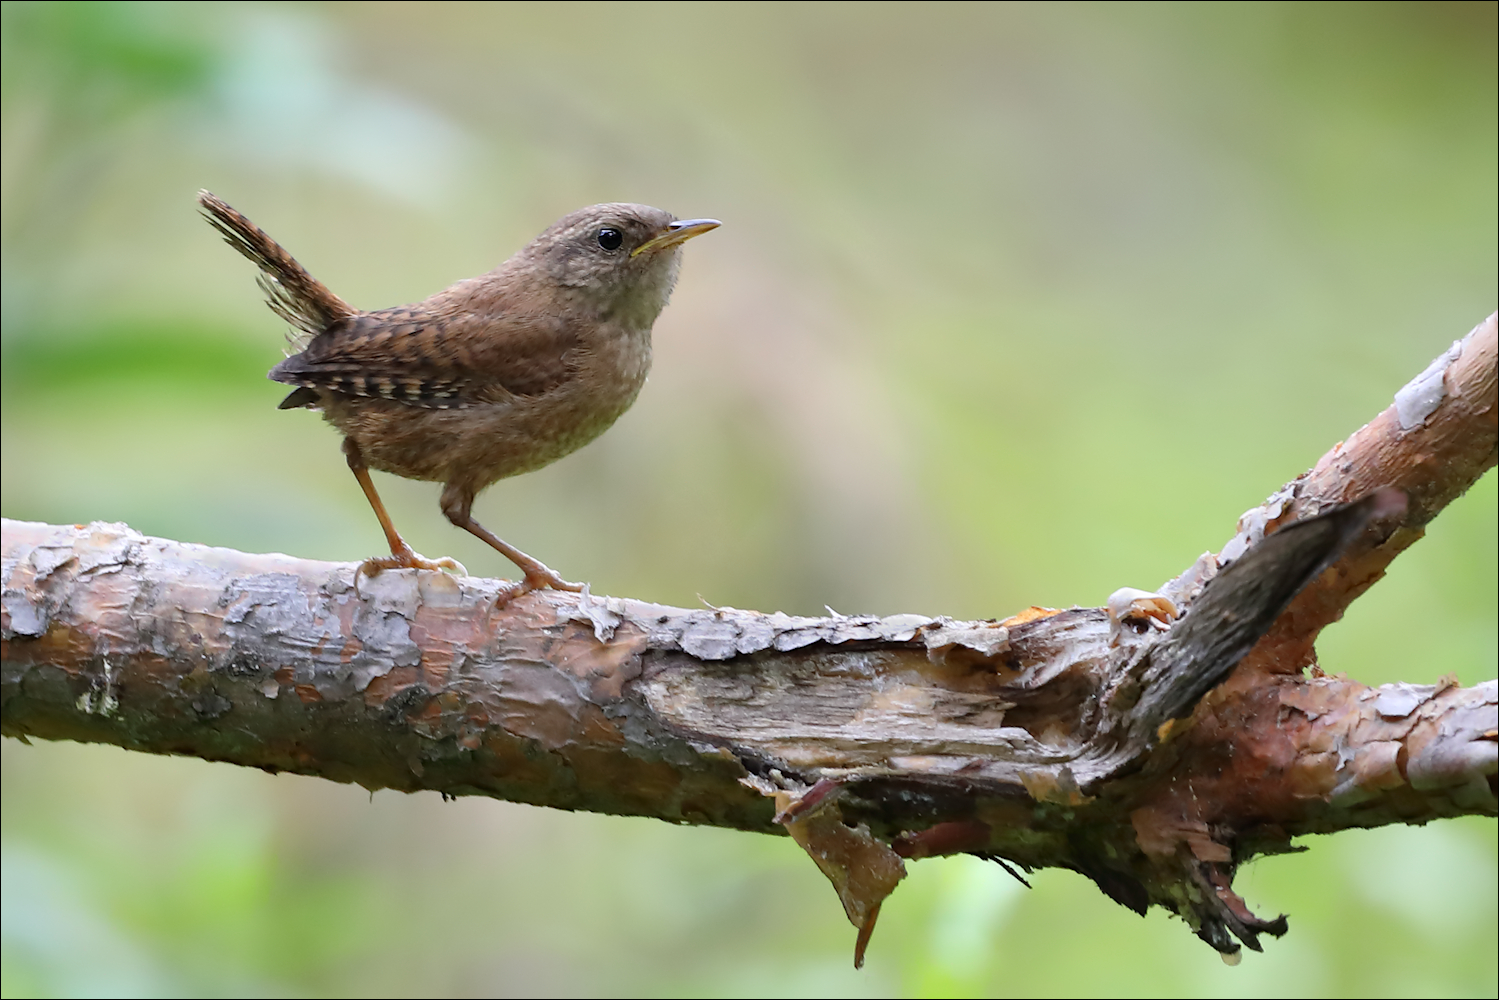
(290, 291)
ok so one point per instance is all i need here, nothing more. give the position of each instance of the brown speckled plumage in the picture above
(494, 376)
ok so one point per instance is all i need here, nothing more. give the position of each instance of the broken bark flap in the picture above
(863, 869)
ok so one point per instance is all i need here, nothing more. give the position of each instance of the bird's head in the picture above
(623, 257)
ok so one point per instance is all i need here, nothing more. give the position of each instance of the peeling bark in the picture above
(1153, 746)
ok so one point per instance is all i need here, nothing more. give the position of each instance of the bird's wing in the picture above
(439, 359)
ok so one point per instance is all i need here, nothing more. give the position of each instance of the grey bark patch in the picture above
(1252, 524)
(711, 640)
(385, 643)
(1396, 701)
(27, 620)
(1421, 396)
(796, 638)
(393, 591)
(986, 640)
(48, 559)
(1188, 587)
(32, 603)
(106, 547)
(754, 635)
(269, 620)
(598, 613)
(273, 602)
(902, 628)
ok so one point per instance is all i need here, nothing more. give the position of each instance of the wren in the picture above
(492, 377)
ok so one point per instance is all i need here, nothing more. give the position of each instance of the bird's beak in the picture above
(677, 232)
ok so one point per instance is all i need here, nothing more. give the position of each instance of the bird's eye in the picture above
(610, 239)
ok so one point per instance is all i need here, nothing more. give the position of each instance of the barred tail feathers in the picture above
(290, 291)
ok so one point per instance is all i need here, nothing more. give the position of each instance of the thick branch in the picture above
(1071, 739)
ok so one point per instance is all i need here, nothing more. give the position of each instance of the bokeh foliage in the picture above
(1013, 304)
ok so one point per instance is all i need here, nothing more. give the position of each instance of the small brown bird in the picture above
(495, 376)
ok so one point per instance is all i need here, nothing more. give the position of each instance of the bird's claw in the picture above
(405, 560)
(544, 579)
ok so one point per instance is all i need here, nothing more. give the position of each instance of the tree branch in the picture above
(1153, 745)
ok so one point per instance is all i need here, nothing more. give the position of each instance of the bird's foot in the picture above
(538, 577)
(406, 559)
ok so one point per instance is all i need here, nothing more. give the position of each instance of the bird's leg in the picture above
(401, 555)
(457, 504)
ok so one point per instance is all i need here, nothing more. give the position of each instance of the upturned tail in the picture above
(292, 293)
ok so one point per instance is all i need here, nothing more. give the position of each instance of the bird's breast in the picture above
(607, 375)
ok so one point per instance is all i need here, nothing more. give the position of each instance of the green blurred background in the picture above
(1012, 304)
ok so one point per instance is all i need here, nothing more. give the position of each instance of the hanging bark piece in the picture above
(863, 869)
